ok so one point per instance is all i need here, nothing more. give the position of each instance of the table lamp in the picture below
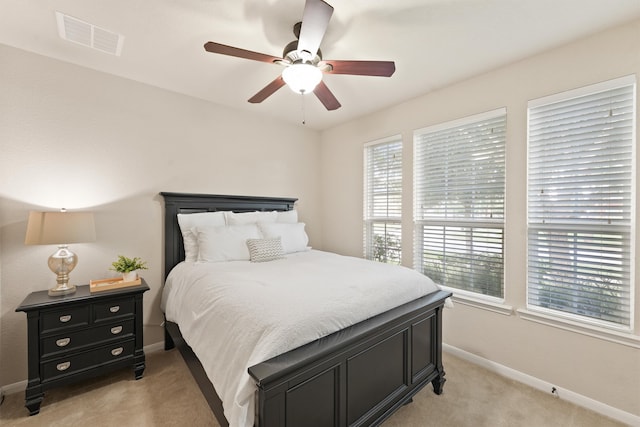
(60, 228)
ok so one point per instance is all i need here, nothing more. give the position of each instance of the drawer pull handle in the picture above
(114, 309)
(63, 342)
(65, 318)
(63, 366)
(116, 351)
(116, 330)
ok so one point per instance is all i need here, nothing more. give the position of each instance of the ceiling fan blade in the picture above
(326, 97)
(267, 91)
(363, 68)
(222, 49)
(315, 20)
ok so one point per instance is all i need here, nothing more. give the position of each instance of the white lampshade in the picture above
(60, 228)
(302, 78)
(57, 228)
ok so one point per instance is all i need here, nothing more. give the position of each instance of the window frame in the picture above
(370, 219)
(574, 321)
(471, 297)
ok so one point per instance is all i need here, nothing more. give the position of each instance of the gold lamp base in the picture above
(62, 262)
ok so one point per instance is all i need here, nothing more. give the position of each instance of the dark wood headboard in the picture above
(175, 203)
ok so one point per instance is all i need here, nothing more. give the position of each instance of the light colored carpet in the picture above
(168, 396)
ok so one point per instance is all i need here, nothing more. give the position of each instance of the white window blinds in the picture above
(459, 186)
(383, 200)
(580, 198)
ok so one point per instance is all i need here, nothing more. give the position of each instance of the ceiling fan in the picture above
(303, 61)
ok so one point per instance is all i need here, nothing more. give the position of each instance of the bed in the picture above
(356, 376)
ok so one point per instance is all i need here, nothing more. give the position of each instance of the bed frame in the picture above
(358, 376)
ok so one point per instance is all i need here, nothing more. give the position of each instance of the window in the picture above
(383, 200)
(580, 198)
(459, 187)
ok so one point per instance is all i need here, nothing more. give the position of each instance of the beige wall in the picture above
(71, 137)
(591, 367)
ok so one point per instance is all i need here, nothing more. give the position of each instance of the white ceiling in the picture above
(433, 43)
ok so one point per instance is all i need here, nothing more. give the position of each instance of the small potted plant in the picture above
(128, 267)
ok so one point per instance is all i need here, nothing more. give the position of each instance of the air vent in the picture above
(80, 32)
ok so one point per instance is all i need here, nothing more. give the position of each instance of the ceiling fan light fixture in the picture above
(302, 77)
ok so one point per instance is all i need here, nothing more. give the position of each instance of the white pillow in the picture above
(262, 250)
(188, 222)
(227, 243)
(234, 218)
(294, 238)
(290, 217)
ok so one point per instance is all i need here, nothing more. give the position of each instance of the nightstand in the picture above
(78, 336)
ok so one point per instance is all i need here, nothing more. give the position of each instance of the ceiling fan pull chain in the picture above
(304, 117)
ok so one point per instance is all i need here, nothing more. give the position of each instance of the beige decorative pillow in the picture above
(261, 250)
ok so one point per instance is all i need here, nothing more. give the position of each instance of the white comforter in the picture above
(237, 314)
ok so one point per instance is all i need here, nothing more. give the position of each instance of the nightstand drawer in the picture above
(112, 310)
(64, 318)
(86, 337)
(63, 366)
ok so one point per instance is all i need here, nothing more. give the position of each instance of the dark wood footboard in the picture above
(358, 376)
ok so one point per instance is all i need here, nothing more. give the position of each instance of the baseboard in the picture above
(20, 386)
(151, 348)
(544, 386)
